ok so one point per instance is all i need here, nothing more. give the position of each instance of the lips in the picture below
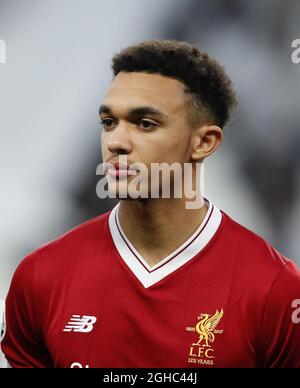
(120, 166)
(119, 170)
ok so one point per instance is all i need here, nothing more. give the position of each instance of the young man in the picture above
(154, 283)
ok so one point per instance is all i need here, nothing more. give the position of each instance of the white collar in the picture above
(150, 275)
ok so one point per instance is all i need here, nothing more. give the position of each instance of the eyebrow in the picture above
(140, 111)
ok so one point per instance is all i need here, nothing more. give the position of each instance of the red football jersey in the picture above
(225, 298)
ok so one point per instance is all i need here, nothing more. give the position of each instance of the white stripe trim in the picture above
(150, 275)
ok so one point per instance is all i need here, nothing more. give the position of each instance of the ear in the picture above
(204, 141)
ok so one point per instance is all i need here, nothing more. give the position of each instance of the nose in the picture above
(119, 140)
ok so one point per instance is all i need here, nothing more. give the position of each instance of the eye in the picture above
(107, 123)
(146, 124)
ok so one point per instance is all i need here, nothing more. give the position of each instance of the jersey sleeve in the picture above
(22, 344)
(281, 321)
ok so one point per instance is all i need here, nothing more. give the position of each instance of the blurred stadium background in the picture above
(57, 71)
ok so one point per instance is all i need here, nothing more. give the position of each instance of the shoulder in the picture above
(253, 250)
(56, 257)
(271, 282)
(261, 269)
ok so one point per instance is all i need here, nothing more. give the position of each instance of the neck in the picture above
(157, 227)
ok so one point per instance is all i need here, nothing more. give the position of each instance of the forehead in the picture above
(130, 90)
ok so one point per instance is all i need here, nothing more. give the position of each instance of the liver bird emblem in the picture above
(206, 325)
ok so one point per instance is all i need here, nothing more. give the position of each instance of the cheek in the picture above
(169, 150)
(103, 144)
(175, 146)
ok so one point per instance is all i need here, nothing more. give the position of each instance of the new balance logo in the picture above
(84, 324)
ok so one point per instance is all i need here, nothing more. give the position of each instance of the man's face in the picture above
(145, 118)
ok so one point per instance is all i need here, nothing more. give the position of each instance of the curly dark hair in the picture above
(208, 88)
